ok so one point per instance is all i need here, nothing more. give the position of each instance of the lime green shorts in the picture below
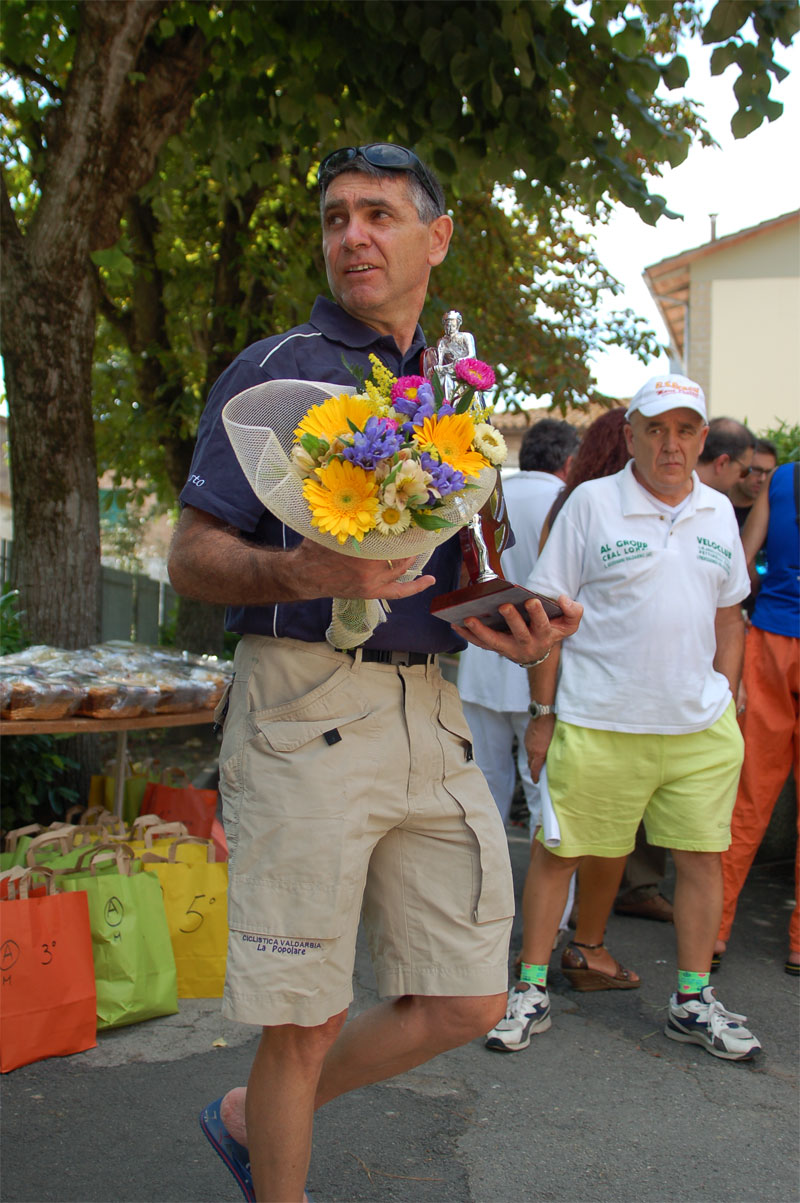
(603, 783)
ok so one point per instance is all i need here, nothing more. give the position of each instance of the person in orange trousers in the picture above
(768, 703)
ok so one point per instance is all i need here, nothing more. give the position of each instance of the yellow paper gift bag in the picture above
(196, 903)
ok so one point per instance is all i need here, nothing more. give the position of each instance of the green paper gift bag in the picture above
(16, 845)
(134, 965)
(136, 779)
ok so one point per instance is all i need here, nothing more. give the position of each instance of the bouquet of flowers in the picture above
(389, 457)
(386, 472)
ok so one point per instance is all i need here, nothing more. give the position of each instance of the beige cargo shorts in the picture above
(349, 789)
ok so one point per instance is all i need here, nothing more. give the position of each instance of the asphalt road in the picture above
(601, 1108)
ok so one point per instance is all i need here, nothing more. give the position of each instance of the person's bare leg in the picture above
(698, 907)
(396, 1036)
(286, 1069)
(598, 883)
(543, 900)
(384, 1041)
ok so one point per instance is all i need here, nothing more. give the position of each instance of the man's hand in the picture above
(538, 734)
(327, 573)
(524, 642)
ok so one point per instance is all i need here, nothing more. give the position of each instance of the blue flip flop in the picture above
(235, 1156)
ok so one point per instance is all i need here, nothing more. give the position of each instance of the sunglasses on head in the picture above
(384, 155)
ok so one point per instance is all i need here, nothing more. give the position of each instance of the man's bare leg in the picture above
(307, 1067)
(697, 906)
(396, 1036)
(598, 883)
(286, 1069)
(543, 900)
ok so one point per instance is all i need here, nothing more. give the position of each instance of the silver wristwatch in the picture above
(538, 710)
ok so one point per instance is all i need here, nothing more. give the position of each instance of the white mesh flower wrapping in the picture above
(260, 423)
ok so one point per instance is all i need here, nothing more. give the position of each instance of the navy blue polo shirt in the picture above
(217, 484)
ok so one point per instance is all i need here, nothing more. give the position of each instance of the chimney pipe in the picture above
(713, 220)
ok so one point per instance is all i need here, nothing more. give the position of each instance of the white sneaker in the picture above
(705, 1021)
(527, 1014)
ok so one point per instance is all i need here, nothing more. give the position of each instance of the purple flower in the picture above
(379, 440)
(421, 398)
(445, 479)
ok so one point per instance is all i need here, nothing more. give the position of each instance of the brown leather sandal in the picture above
(581, 977)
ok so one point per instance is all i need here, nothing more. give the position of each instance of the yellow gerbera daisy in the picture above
(451, 438)
(343, 501)
(331, 418)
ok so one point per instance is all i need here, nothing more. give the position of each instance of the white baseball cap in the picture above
(672, 391)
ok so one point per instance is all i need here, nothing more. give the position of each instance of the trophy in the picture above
(487, 533)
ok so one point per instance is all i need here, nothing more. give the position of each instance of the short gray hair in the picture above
(427, 209)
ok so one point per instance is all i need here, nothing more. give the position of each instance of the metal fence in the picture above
(133, 606)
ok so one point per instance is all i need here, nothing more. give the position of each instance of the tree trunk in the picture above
(200, 627)
(124, 98)
(48, 342)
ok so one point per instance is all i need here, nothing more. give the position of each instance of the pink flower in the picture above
(474, 372)
(407, 386)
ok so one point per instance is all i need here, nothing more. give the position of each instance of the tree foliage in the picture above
(159, 167)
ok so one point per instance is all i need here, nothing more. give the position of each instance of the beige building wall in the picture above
(755, 358)
(744, 327)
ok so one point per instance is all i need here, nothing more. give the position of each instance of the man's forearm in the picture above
(729, 656)
(543, 678)
(211, 562)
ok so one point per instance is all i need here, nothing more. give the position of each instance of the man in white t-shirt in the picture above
(494, 691)
(646, 723)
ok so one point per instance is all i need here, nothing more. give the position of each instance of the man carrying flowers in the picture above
(347, 779)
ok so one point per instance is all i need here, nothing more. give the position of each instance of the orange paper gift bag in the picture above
(48, 1000)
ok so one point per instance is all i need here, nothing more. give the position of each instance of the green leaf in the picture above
(114, 260)
(723, 57)
(744, 122)
(676, 73)
(429, 521)
(314, 445)
(631, 39)
(438, 390)
(430, 44)
(464, 401)
(727, 17)
(355, 370)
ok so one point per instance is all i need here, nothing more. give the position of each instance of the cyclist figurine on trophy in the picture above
(484, 538)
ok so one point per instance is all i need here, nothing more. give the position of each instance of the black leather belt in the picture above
(371, 655)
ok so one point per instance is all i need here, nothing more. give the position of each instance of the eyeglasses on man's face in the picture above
(744, 469)
(759, 471)
(384, 155)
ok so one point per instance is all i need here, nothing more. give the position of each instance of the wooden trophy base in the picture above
(483, 599)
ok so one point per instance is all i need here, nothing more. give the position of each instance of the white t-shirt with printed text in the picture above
(651, 580)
